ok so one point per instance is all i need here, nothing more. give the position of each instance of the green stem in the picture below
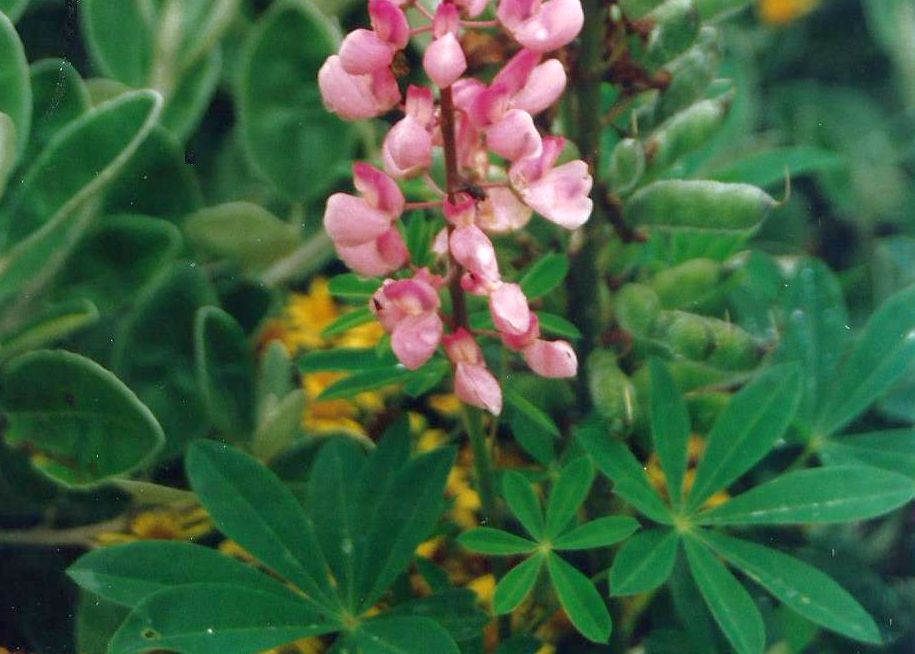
(482, 463)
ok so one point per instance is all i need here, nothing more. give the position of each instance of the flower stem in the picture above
(452, 184)
(482, 463)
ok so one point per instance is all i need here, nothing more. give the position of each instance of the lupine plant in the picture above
(486, 326)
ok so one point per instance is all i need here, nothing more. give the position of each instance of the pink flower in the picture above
(558, 194)
(380, 257)
(551, 358)
(366, 51)
(353, 97)
(473, 383)
(502, 212)
(407, 148)
(353, 221)
(444, 60)
(542, 26)
(471, 248)
(408, 310)
(510, 311)
(514, 136)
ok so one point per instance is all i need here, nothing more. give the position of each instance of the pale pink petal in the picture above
(465, 91)
(392, 249)
(561, 195)
(354, 97)
(502, 212)
(390, 23)
(476, 386)
(460, 347)
(413, 296)
(462, 212)
(379, 190)
(514, 74)
(513, 12)
(518, 342)
(440, 243)
(420, 104)
(510, 311)
(362, 52)
(472, 8)
(447, 20)
(385, 89)
(444, 60)
(556, 24)
(471, 248)
(514, 137)
(350, 221)
(407, 148)
(387, 312)
(525, 171)
(544, 87)
(489, 105)
(376, 258)
(551, 358)
(415, 339)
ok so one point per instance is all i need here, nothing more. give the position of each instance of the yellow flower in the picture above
(322, 416)
(447, 404)
(484, 587)
(361, 336)
(781, 12)
(161, 524)
(308, 314)
(431, 439)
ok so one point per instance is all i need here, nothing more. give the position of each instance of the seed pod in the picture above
(717, 343)
(690, 285)
(699, 205)
(685, 132)
(612, 392)
(637, 308)
(676, 26)
(686, 334)
(716, 9)
(691, 73)
(635, 9)
(732, 347)
(627, 163)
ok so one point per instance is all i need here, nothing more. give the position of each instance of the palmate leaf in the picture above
(567, 495)
(455, 609)
(251, 506)
(805, 589)
(402, 635)
(545, 275)
(730, 604)
(487, 540)
(214, 619)
(669, 427)
(890, 449)
(601, 532)
(523, 502)
(746, 430)
(580, 599)
(644, 562)
(816, 495)
(517, 584)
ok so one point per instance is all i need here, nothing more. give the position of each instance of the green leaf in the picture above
(669, 427)
(15, 88)
(243, 232)
(251, 506)
(13, 8)
(516, 585)
(403, 635)
(805, 589)
(746, 430)
(347, 321)
(545, 275)
(882, 353)
(128, 574)
(7, 150)
(427, 377)
(523, 502)
(83, 420)
(120, 37)
(225, 371)
(353, 287)
(58, 98)
(279, 425)
(518, 403)
(601, 532)
(486, 540)
(615, 460)
(455, 609)
(188, 100)
(567, 495)
(770, 167)
(369, 380)
(580, 600)
(343, 359)
(644, 562)
(291, 138)
(214, 619)
(890, 449)
(733, 608)
(817, 495)
(402, 518)
(50, 325)
(815, 333)
(553, 324)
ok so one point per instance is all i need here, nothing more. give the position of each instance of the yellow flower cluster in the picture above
(165, 523)
(781, 12)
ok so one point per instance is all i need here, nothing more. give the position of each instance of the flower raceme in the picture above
(490, 142)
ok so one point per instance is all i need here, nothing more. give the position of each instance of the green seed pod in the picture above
(637, 307)
(676, 26)
(627, 163)
(704, 409)
(717, 9)
(733, 348)
(699, 205)
(635, 9)
(685, 132)
(612, 392)
(687, 335)
(688, 285)
(691, 73)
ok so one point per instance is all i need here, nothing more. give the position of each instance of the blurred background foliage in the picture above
(188, 318)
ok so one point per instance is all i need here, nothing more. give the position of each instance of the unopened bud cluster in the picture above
(491, 145)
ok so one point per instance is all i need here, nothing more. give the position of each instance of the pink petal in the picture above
(514, 75)
(551, 358)
(513, 12)
(556, 24)
(385, 89)
(350, 221)
(444, 61)
(420, 104)
(510, 311)
(526, 171)
(514, 137)
(354, 97)
(413, 296)
(407, 148)
(561, 195)
(387, 312)
(447, 20)
(471, 248)
(379, 190)
(472, 8)
(543, 88)
(518, 342)
(461, 347)
(465, 91)
(415, 339)
(462, 212)
(476, 386)
(502, 212)
(362, 52)
(489, 105)
(390, 23)
(376, 258)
